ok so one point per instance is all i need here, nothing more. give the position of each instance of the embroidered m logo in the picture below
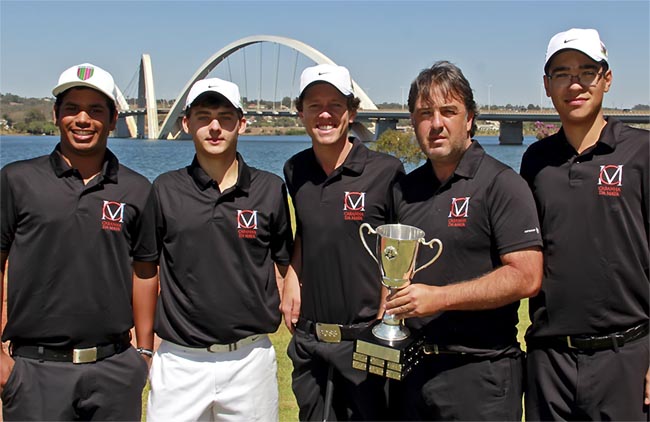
(354, 201)
(247, 219)
(459, 207)
(611, 175)
(113, 211)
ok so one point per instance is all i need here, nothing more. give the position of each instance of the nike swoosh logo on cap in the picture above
(572, 39)
(322, 73)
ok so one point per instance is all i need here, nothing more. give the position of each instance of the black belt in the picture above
(439, 349)
(591, 343)
(331, 333)
(57, 354)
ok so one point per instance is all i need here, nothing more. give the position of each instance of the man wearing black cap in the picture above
(221, 226)
(465, 304)
(333, 287)
(588, 342)
(78, 230)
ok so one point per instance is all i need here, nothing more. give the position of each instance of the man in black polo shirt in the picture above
(588, 342)
(466, 303)
(222, 225)
(78, 233)
(336, 185)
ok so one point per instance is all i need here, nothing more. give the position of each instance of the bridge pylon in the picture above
(147, 100)
(126, 127)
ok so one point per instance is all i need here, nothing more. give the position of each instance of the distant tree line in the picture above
(34, 115)
(27, 115)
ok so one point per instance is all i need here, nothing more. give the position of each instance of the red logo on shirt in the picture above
(247, 224)
(112, 215)
(354, 206)
(610, 180)
(458, 212)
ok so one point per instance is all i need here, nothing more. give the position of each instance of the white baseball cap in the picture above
(338, 76)
(586, 41)
(226, 89)
(86, 75)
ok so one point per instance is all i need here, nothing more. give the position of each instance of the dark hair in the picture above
(449, 80)
(112, 108)
(353, 102)
(212, 100)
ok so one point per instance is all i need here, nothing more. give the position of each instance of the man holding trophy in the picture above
(465, 305)
(332, 290)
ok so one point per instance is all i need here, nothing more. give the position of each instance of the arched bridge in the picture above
(171, 128)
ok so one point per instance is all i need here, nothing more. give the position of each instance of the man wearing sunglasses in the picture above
(588, 342)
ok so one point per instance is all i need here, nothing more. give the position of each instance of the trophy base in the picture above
(390, 332)
(390, 359)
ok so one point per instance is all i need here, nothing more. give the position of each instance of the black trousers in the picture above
(357, 395)
(110, 389)
(603, 385)
(460, 388)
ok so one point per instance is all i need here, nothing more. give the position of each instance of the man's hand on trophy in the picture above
(415, 300)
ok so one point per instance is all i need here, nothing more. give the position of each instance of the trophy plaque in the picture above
(386, 348)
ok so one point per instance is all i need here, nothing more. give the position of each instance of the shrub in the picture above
(543, 130)
(401, 145)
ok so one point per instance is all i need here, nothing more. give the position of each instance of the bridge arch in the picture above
(170, 127)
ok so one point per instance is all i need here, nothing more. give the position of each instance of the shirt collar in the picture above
(470, 161)
(204, 181)
(61, 168)
(355, 161)
(609, 136)
(357, 157)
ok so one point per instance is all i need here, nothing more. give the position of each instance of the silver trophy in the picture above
(397, 249)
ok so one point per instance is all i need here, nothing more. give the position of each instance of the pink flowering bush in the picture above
(542, 130)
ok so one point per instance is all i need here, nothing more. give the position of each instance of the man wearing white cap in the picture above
(588, 342)
(78, 229)
(333, 285)
(221, 227)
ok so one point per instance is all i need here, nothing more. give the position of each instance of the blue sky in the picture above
(499, 45)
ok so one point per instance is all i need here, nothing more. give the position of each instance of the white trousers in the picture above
(196, 385)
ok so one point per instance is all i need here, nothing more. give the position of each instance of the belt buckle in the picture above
(221, 348)
(431, 349)
(328, 333)
(569, 343)
(88, 355)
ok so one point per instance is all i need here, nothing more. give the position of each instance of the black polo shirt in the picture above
(484, 210)
(70, 249)
(216, 267)
(593, 210)
(341, 282)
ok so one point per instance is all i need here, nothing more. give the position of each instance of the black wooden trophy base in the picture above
(390, 359)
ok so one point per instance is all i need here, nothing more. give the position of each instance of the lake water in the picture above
(152, 158)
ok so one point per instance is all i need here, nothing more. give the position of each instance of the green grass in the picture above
(524, 323)
(288, 406)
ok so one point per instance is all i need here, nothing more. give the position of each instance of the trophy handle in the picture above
(365, 245)
(432, 260)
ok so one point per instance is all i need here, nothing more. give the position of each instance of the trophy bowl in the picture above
(396, 253)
